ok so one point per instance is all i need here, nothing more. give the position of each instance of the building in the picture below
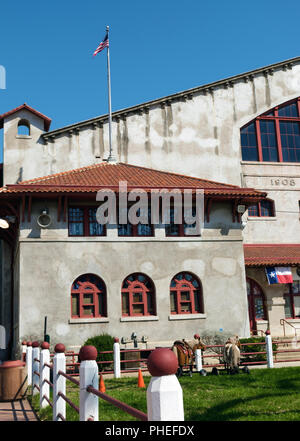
(236, 139)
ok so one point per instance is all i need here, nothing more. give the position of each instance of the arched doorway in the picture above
(256, 304)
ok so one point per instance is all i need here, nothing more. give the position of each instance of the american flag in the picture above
(104, 43)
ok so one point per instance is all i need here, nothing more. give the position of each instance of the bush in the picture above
(103, 342)
(254, 348)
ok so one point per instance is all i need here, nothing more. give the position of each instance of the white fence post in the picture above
(269, 350)
(117, 363)
(198, 360)
(35, 367)
(24, 349)
(59, 382)
(44, 374)
(88, 407)
(29, 363)
(164, 393)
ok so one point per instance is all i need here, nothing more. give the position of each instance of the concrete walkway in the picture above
(19, 410)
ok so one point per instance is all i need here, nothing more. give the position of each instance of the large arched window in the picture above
(186, 294)
(256, 303)
(273, 136)
(138, 296)
(88, 297)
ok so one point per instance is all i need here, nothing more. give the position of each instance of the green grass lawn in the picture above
(262, 395)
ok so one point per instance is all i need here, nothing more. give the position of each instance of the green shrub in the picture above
(103, 342)
(254, 348)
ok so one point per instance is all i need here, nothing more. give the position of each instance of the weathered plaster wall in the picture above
(50, 261)
(45, 288)
(282, 183)
(197, 135)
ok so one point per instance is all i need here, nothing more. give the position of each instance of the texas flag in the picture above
(279, 274)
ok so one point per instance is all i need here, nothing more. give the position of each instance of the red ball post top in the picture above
(45, 345)
(29, 343)
(35, 344)
(59, 348)
(162, 361)
(88, 352)
(116, 340)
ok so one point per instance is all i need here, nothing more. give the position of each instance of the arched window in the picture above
(264, 208)
(273, 136)
(88, 297)
(186, 294)
(292, 300)
(23, 128)
(256, 303)
(138, 296)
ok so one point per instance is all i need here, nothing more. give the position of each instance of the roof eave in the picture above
(183, 94)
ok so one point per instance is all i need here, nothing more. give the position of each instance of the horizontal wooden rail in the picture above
(68, 377)
(123, 406)
(67, 400)
(48, 382)
(50, 366)
(59, 415)
(48, 401)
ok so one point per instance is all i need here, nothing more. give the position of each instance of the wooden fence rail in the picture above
(164, 394)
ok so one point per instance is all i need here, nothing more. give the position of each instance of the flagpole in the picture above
(111, 157)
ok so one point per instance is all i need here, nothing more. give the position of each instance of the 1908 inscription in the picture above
(283, 181)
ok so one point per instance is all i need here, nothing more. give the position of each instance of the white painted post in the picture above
(164, 393)
(198, 360)
(89, 376)
(59, 382)
(269, 350)
(44, 375)
(117, 363)
(35, 367)
(24, 349)
(29, 363)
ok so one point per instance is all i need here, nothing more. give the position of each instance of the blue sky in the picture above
(157, 48)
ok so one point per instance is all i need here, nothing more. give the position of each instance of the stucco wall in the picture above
(198, 135)
(47, 271)
(50, 261)
(282, 183)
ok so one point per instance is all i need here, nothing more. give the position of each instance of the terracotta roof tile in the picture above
(272, 254)
(108, 175)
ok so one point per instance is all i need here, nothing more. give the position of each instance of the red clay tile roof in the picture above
(108, 175)
(272, 254)
(47, 121)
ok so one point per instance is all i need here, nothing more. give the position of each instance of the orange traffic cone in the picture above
(101, 384)
(140, 379)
